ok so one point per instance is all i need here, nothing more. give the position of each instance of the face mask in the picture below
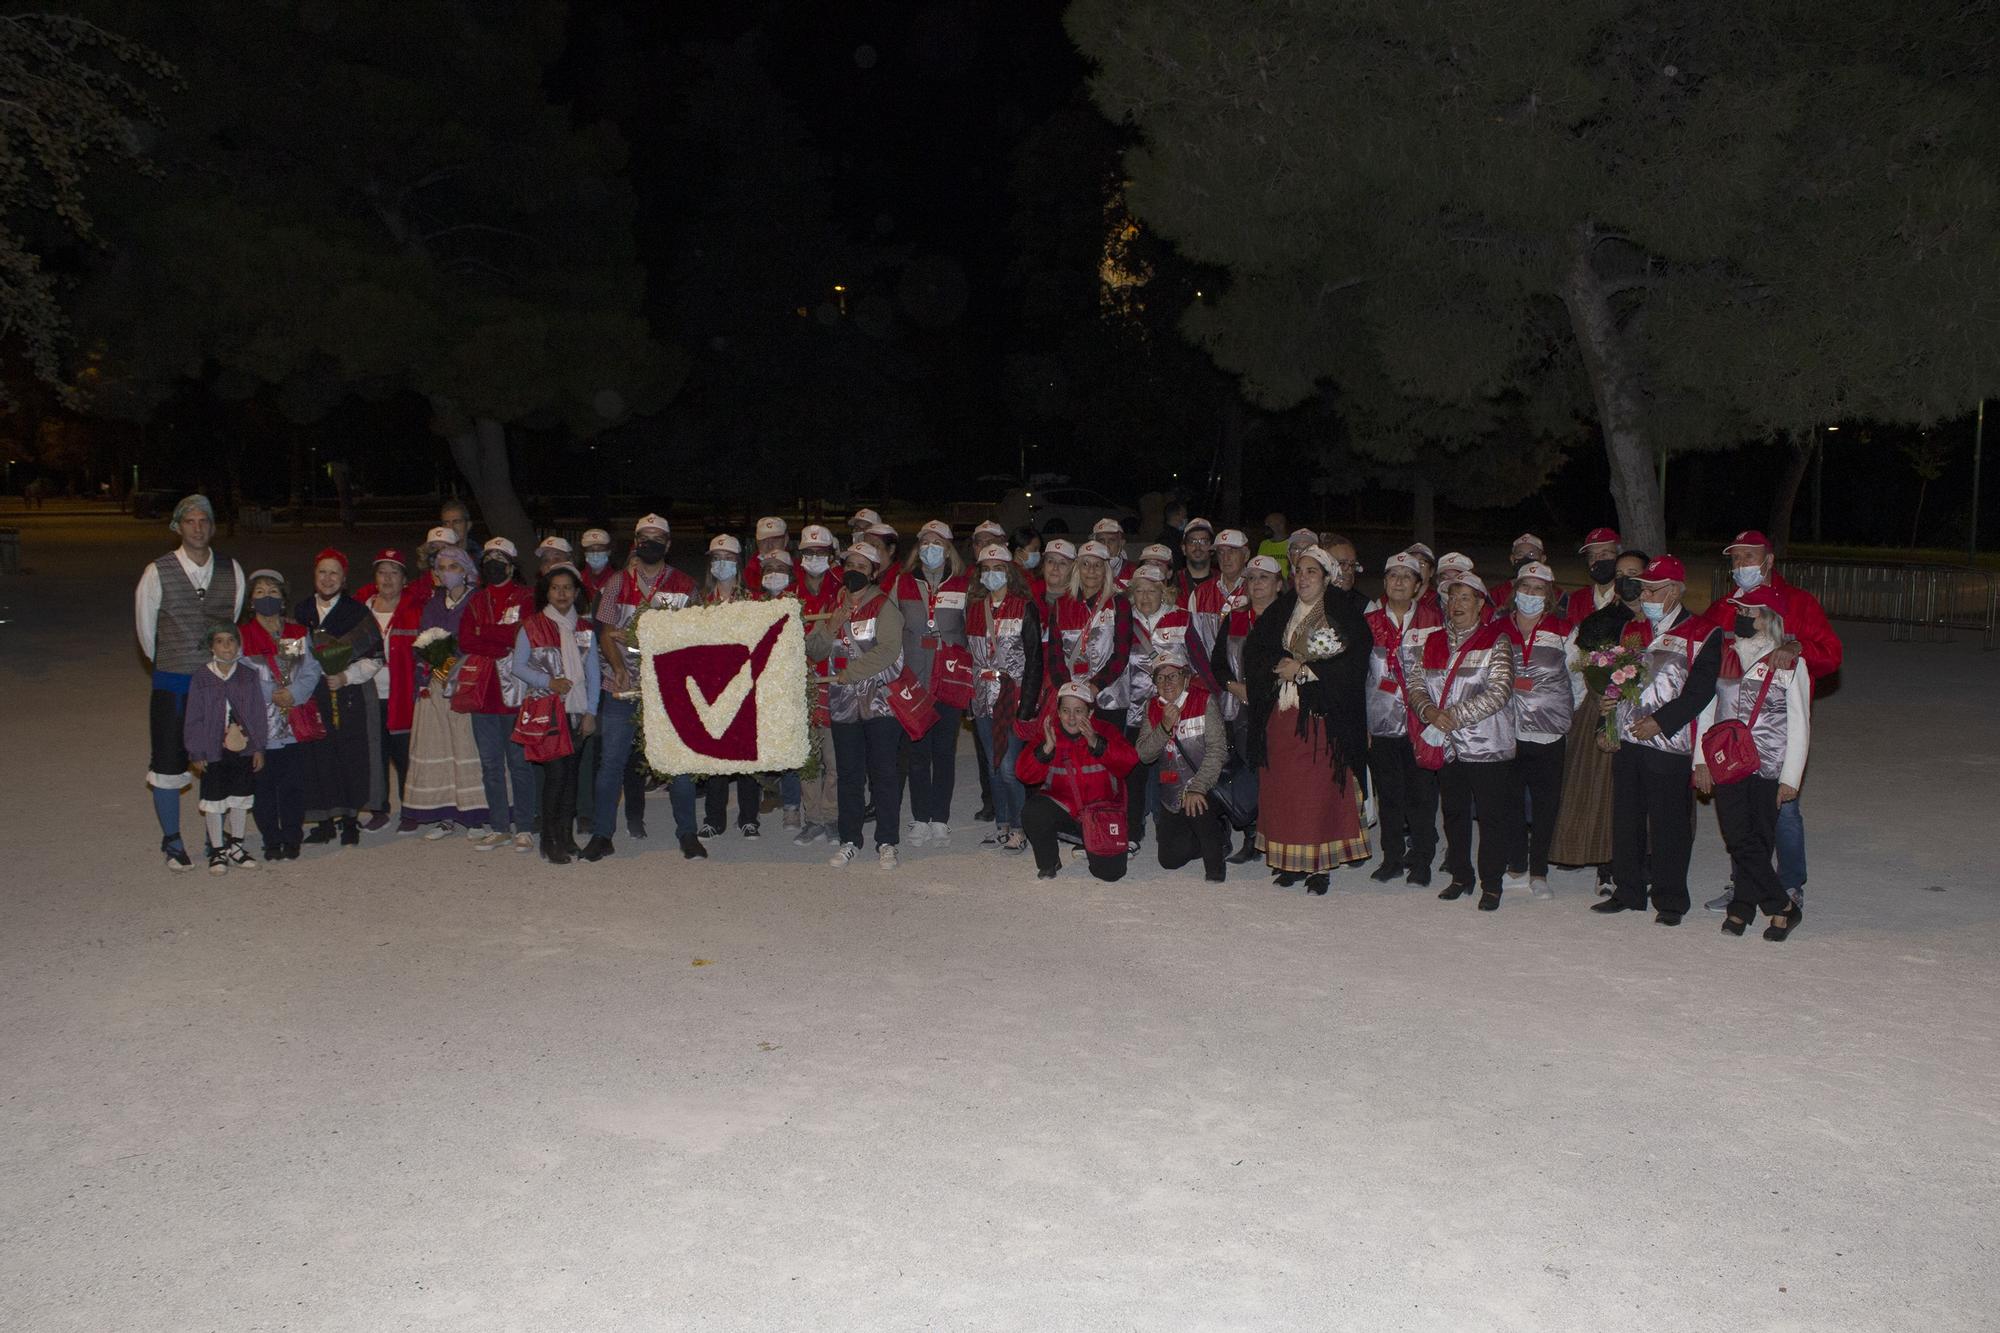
(267, 606)
(722, 570)
(776, 581)
(993, 580)
(853, 580)
(495, 571)
(1603, 571)
(452, 577)
(932, 556)
(1031, 559)
(652, 553)
(815, 565)
(1653, 611)
(1748, 576)
(1628, 589)
(1746, 627)
(1531, 603)
(597, 559)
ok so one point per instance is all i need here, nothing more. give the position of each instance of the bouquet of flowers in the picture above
(335, 655)
(1323, 643)
(1617, 673)
(437, 649)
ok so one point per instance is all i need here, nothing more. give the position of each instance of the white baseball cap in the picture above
(1107, 525)
(501, 546)
(869, 547)
(1058, 546)
(553, 544)
(1302, 537)
(770, 526)
(1455, 560)
(937, 527)
(864, 519)
(815, 535)
(1150, 573)
(1076, 689)
(1157, 552)
(1263, 564)
(1231, 537)
(724, 542)
(1535, 569)
(1404, 561)
(1464, 576)
(989, 529)
(1095, 550)
(594, 537)
(441, 537)
(777, 557)
(655, 522)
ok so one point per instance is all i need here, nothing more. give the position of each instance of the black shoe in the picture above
(692, 849)
(1489, 901)
(350, 833)
(1317, 885)
(868, 812)
(377, 821)
(1453, 891)
(1216, 878)
(1610, 906)
(635, 830)
(274, 852)
(1784, 923)
(1385, 872)
(176, 853)
(1245, 856)
(1666, 918)
(553, 853)
(1735, 925)
(1045, 874)
(321, 832)
(707, 830)
(597, 849)
(1284, 879)
(748, 830)
(1419, 876)
(984, 812)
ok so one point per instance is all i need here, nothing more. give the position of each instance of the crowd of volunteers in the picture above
(1233, 702)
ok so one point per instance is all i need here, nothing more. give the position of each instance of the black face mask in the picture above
(496, 571)
(1746, 627)
(651, 553)
(1603, 571)
(853, 580)
(267, 606)
(1628, 588)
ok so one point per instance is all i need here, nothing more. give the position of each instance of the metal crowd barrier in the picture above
(1934, 602)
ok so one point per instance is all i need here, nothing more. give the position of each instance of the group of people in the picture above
(1201, 689)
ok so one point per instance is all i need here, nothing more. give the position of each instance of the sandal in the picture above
(1783, 924)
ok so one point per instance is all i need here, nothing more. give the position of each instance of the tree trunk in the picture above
(1917, 523)
(480, 450)
(1615, 382)
(1423, 509)
(1799, 458)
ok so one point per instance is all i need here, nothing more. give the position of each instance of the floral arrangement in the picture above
(1617, 673)
(1323, 643)
(437, 648)
(724, 689)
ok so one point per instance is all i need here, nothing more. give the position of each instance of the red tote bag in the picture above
(541, 729)
(951, 676)
(911, 703)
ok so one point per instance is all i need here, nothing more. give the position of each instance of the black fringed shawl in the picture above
(1337, 700)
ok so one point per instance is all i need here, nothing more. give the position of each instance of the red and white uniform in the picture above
(1388, 711)
(1072, 776)
(1165, 628)
(1546, 690)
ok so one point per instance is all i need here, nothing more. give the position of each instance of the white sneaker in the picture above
(489, 841)
(524, 842)
(1514, 881)
(1538, 887)
(920, 833)
(438, 832)
(886, 854)
(940, 832)
(843, 854)
(473, 834)
(794, 817)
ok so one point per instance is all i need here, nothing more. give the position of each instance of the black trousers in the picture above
(1183, 837)
(1490, 787)
(1538, 783)
(985, 778)
(1652, 821)
(1138, 791)
(749, 799)
(558, 808)
(395, 760)
(1748, 813)
(280, 807)
(1406, 803)
(932, 760)
(864, 769)
(1042, 818)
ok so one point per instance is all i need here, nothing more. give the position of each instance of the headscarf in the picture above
(459, 556)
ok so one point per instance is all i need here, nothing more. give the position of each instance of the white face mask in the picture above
(1748, 576)
(597, 559)
(777, 581)
(1531, 603)
(993, 580)
(722, 570)
(815, 565)
(932, 556)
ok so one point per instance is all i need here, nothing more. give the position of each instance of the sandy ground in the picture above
(407, 1087)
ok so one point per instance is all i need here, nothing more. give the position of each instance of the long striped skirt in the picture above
(1308, 813)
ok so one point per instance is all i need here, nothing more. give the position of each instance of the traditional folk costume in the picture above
(446, 787)
(283, 661)
(344, 771)
(224, 731)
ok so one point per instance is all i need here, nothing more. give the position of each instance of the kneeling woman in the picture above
(1078, 761)
(1305, 664)
(553, 655)
(1184, 732)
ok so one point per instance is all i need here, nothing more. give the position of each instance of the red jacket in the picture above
(1073, 777)
(399, 656)
(486, 630)
(1805, 620)
(1580, 603)
(816, 607)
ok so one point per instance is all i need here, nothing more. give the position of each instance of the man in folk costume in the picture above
(1183, 733)
(818, 588)
(1652, 772)
(1753, 563)
(1110, 533)
(1406, 794)
(1600, 556)
(649, 583)
(1461, 682)
(1263, 581)
(1306, 667)
(178, 597)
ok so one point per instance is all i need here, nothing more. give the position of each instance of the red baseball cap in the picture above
(1747, 538)
(1599, 537)
(391, 556)
(1665, 569)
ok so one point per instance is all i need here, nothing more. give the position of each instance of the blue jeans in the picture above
(1008, 793)
(864, 764)
(790, 793)
(1791, 846)
(617, 723)
(502, 764)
